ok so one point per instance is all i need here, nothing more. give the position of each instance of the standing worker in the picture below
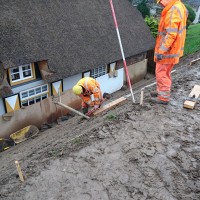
(88, 89)
(169, 46)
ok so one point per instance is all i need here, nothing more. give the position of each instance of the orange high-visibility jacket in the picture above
(93, 87)
(171, 33)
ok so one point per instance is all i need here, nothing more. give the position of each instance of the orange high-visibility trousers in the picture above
(163, 79)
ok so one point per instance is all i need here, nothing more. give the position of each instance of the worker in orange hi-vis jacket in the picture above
(88, 89)
(169, 46)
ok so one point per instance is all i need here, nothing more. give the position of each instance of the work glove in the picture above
(96, 107)
(159, 57)
(89, 113)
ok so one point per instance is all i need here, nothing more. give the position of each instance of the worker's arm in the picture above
(172, 22)
(97, 98)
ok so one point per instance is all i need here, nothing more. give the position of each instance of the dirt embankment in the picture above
(129, 153)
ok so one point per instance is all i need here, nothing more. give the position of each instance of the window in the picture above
(20, 73)
(99, 71)
(86, 74)
(34, 95)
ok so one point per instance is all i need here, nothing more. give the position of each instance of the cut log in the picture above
(110, 105)
(193, 97)
(193, 61)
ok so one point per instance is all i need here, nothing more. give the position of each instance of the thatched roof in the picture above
(72, 35)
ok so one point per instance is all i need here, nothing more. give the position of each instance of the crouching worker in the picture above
(88, 89)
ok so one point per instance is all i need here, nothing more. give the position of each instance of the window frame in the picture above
(21, 71)
(95, 74)
(35, 96)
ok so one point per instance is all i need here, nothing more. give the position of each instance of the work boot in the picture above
(158, 101)
(106, 95)
(153, 94)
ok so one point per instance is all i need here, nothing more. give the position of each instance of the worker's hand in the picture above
(96, 107)
(159, 57)
(89, 113)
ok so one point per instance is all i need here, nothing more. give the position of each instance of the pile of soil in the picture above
(130, 152)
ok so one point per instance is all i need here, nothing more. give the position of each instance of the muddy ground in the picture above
(131, 152)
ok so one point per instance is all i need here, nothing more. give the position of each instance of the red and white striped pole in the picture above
(122, 51)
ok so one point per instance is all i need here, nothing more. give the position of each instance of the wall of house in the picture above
(108, 84)
(2, 109)
(137, 71)
(111, 84)
(47, 112)
(37, 114)
(27, 86)
(69, 82)
(18, 89)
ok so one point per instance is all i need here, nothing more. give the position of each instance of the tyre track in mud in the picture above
(131, 152)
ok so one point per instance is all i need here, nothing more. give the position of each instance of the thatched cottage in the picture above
(47, 46)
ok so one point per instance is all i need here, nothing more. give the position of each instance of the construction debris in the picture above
(191, 101)
(24, 134)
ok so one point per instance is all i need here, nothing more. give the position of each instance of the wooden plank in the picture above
(193, 61)
(73, 110)
(110, 105)
(195, 91)
(194, 95)
(19, 171)
(189, 104)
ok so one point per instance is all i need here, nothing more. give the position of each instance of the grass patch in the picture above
(192, 43)
(111, 117)
(77, 140)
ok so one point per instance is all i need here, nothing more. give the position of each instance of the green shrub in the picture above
(152, 22)
(111, 117)
(188, 23)
(143, 8)
(191, 15)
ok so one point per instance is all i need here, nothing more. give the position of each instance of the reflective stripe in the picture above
(175, 7)
(171, 15)
(164, 94)
(168, 55)
(86, 83)
(180, 31)
(96, 90)
(171, 30)
(166, 97)
(175, 30)
(162, 33)
(163, 48)
(171, 56)
(96, 99)
(163, 39)
(182, 48)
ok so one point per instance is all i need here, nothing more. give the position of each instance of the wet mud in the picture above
(130, 152)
